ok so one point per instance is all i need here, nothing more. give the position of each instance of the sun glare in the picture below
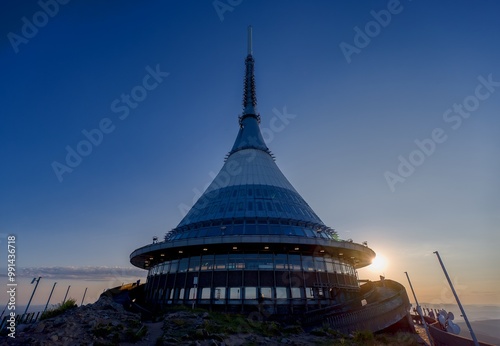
(379, 264)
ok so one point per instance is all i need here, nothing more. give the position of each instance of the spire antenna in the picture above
(249, 94)
(250, 40)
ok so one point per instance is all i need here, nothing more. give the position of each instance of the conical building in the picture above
(251, 242)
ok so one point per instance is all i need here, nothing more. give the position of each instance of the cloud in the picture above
(84, 273)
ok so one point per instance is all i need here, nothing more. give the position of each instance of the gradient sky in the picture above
(353, 120)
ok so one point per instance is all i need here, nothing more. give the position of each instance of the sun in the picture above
(379, 264)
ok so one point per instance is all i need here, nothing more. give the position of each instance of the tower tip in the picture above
(250, 40)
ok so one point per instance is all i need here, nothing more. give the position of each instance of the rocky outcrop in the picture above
(102, 323)
(107, 323)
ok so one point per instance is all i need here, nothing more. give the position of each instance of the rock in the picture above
(40, 327)
(54, 338)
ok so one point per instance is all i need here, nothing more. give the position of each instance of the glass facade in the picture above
(252, 279)
(254, 261)
(250, 201)
(251, 227)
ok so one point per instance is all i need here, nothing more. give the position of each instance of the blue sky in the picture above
(354, 117)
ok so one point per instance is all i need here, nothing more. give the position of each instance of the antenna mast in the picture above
(249, 40)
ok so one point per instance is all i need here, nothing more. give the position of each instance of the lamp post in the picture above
(33, 293)
(50, 296)
(84, 293)
(419, 310)
(66, 294)
(458, 300)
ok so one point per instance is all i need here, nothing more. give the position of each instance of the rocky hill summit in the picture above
(102, 323)
(108, 323)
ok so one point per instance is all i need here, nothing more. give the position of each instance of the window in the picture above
(213, 231)
(275, 229)
(250, 228)
(280, 262)
(207, 262)
(320, 264)
(250, 206)
(234, 293)
(253, 262)
(173, 266)
(194, 265)
(181, 293)
(220, 262)
(309, 292)
(262, 228)
(192, 293)
(220, 293)
(288, 230)
(183, 265)
(329, 264)
(296, 292)
(307, 263)
(250, 292)
(294, 261)
(235, 262)
(205, 293)
(266, 292)
(281, 293)
(265, 261)
(237, 229)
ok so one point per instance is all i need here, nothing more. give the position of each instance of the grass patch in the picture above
(363, 336)
(59, 309)
(104, 330)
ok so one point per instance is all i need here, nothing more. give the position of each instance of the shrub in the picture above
(59, 309)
